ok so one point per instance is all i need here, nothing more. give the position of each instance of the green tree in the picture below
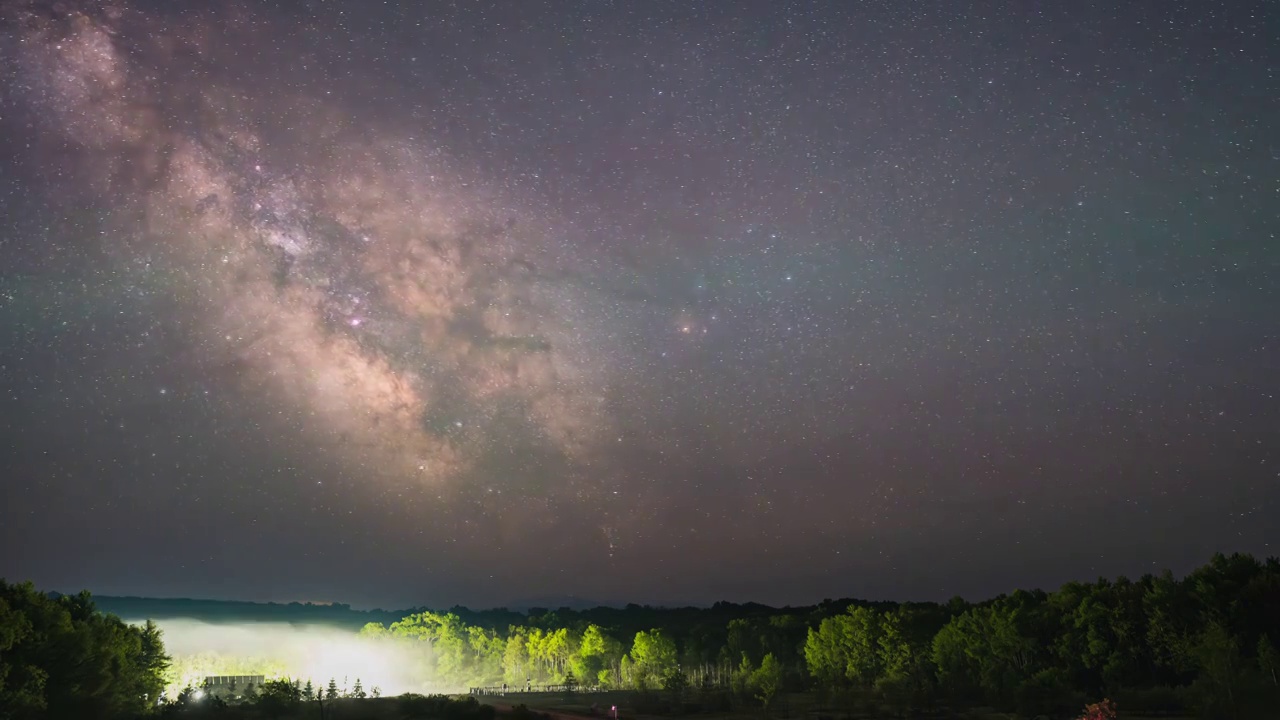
(626, 671)
(22, 685)
(331, 693)
(515, 657)
(653, 655)
(863, 643)
(59, 657)
(447, 637)
(826, 652)
(846, 648)
(357, 691)
(1173, 624)
(742, 680)
(897, 656)
(985, 650)
(767, 680)
(1221, 666)
(486, 649)
(597, 655)
(153, 663)
(1100, 639)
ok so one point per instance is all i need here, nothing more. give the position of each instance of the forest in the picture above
(61, 658)
(1200, 646)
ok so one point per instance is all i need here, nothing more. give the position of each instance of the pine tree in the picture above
(332, 692)
(358, 691)
(570, 684)
(308, 692)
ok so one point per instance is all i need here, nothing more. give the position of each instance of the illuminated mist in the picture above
(298, 652)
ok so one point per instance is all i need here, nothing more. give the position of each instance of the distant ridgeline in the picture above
(631, 618)
(234, 611)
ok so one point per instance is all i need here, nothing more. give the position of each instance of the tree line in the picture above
(338, 615)
(1204, 643)
(60, 658)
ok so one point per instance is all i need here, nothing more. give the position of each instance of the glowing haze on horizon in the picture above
(304, 652)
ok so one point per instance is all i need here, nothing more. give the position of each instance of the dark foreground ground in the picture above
(595, 706)
(792, 706)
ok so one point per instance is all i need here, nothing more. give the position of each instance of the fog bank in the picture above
(316, 653)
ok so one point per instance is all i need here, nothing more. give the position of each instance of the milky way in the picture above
(712, 306)
(352, 278)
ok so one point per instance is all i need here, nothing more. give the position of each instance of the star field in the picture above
(656, 302)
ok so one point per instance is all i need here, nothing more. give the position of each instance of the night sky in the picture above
(481, 303)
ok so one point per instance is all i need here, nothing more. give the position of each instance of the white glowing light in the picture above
(312, 653)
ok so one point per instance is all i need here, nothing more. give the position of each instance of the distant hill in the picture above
(335, 614)
(235, 611)
(547, 613)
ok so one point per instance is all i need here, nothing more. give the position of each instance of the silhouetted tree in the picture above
(1221, 666)
(59, 657)
(1268, 659)
(278, 698)
(675, 682)
(570, 684)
